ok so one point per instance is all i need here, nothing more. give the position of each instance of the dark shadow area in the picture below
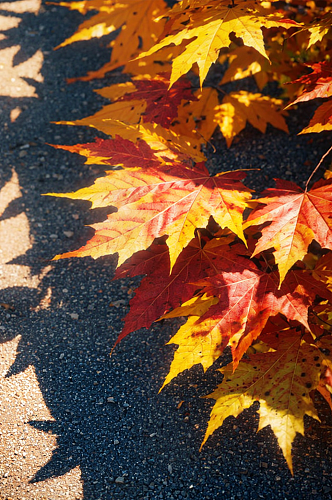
(129, 442)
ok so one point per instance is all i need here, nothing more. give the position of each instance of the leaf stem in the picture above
(319, 164)
(320, 319)
(218, 89)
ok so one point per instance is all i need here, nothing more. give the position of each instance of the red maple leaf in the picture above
(248, 297)
(160, 291)
(316, 84)
(117, 152)
(162, 102)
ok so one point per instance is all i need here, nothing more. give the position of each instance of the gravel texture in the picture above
(75, 423)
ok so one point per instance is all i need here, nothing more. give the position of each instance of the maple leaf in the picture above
(123, 118)
(197, 119)
(247, 299)
(162, 103)
(117, 152)
(209, 28)
(239, 107)
(172, 200)
(161, 290)
(243, 62)
(297, 217)
(317, 84)
(319, 29)
(139, 22)
(322, 119)
(281, 381)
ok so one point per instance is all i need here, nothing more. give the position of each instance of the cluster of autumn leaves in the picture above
(260, 286)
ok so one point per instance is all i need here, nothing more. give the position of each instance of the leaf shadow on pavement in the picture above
(108, 418)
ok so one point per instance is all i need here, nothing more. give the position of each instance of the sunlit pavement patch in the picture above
(15, 241)
(24, 449)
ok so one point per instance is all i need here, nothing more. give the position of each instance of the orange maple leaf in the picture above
(172, 200)
(296, 218)
(239, 107)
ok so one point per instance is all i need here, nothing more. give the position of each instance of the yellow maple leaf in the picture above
(243, 62)
(140, 23)
(319, 29)
(239, 107)
(194, 346)
(208, 29)
(281, 381)
(194, 120)
(151, 66)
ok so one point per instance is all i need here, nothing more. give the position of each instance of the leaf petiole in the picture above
(317, 167)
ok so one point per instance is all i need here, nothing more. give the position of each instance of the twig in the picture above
(319, 164)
